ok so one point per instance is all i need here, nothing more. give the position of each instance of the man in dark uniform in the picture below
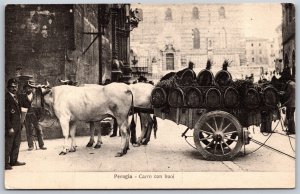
(13, 126)
(289, 98)
(31, 121)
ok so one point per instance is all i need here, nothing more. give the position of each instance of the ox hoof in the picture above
(136, 145)
(113, 135)
(62, 153)
(119, 154)
(89, 144)
(72, 149)
(123, 152)
(145, 142)
(97, 146)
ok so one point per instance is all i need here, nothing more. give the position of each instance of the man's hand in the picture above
(11, 131)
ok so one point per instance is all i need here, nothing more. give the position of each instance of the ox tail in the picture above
(132, 127)
(154, 126)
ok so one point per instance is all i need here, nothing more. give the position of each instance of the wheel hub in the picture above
(218, 136)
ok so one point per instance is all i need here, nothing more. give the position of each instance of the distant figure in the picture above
(18, 72)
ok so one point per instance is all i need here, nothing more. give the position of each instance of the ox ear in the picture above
(46, 88)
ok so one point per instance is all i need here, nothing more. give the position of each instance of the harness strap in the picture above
(143, 110)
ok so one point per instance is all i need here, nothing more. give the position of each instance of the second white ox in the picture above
(71, 104)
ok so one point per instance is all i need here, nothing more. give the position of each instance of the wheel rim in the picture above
(218, 135)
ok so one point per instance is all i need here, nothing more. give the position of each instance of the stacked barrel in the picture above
(212, 92)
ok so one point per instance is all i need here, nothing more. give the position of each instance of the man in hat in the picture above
(13, 126)
(31, 121)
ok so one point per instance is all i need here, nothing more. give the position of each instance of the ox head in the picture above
(44, 96)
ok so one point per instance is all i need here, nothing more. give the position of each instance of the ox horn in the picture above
(63, 81)
(33, 86)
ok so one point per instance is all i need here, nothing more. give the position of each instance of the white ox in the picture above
(141, 98)
(71, 104)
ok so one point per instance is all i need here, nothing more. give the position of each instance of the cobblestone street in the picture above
(168, 153)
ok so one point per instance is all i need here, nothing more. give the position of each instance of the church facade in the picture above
(169, 36)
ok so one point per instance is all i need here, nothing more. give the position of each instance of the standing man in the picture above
(13, 126)
(31, 121)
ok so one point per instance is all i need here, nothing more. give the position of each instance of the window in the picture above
(168, 14)
(223, 39)
(170, 61)
(253, 59)
(196, 38)
(260, 52)
(252, 44)
(259, 44)
(252, 52)
(222, 12)
(271, 45)
(260, 59)
(195, 13)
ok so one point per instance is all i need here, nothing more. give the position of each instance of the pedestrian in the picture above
(13, 125)
(31, 121)
(290, 99)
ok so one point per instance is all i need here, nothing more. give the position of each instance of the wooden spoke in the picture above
(222, 148)
(210, 127)
(230, 139)
(221, 124)
(226, 144)
(209, 144)
(210, 133)
(215, 123)
(206, 138)
(231, 132)
(223, 130)
(215, 148)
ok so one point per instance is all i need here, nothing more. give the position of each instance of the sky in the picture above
(261, 20)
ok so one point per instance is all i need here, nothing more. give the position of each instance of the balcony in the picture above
(139, 70)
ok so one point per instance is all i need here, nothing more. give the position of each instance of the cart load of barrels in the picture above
(185, 89)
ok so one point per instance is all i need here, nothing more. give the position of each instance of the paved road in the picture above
(168, 153)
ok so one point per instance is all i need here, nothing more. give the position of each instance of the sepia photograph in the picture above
(150, 96)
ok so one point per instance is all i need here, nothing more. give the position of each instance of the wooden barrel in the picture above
(194, 97)
(213, 98)
(176, 98)
(188, 77)
(270, 96)
(158, 97)
(231, 98)
(223, 78)
(251, 99)
(205, 78)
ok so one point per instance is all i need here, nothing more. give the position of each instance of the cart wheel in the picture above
(218, 136)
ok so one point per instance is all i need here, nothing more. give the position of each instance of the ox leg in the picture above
(99, 140)
(65, 129)
(144, 126)
(132, 128)
(72, 133)
(115, 128)
(149, 130)
(125, 138)
(92, 134)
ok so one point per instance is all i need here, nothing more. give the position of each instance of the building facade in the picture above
(169, 36)
(77, 42)
(83, 43)
(288, 36)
